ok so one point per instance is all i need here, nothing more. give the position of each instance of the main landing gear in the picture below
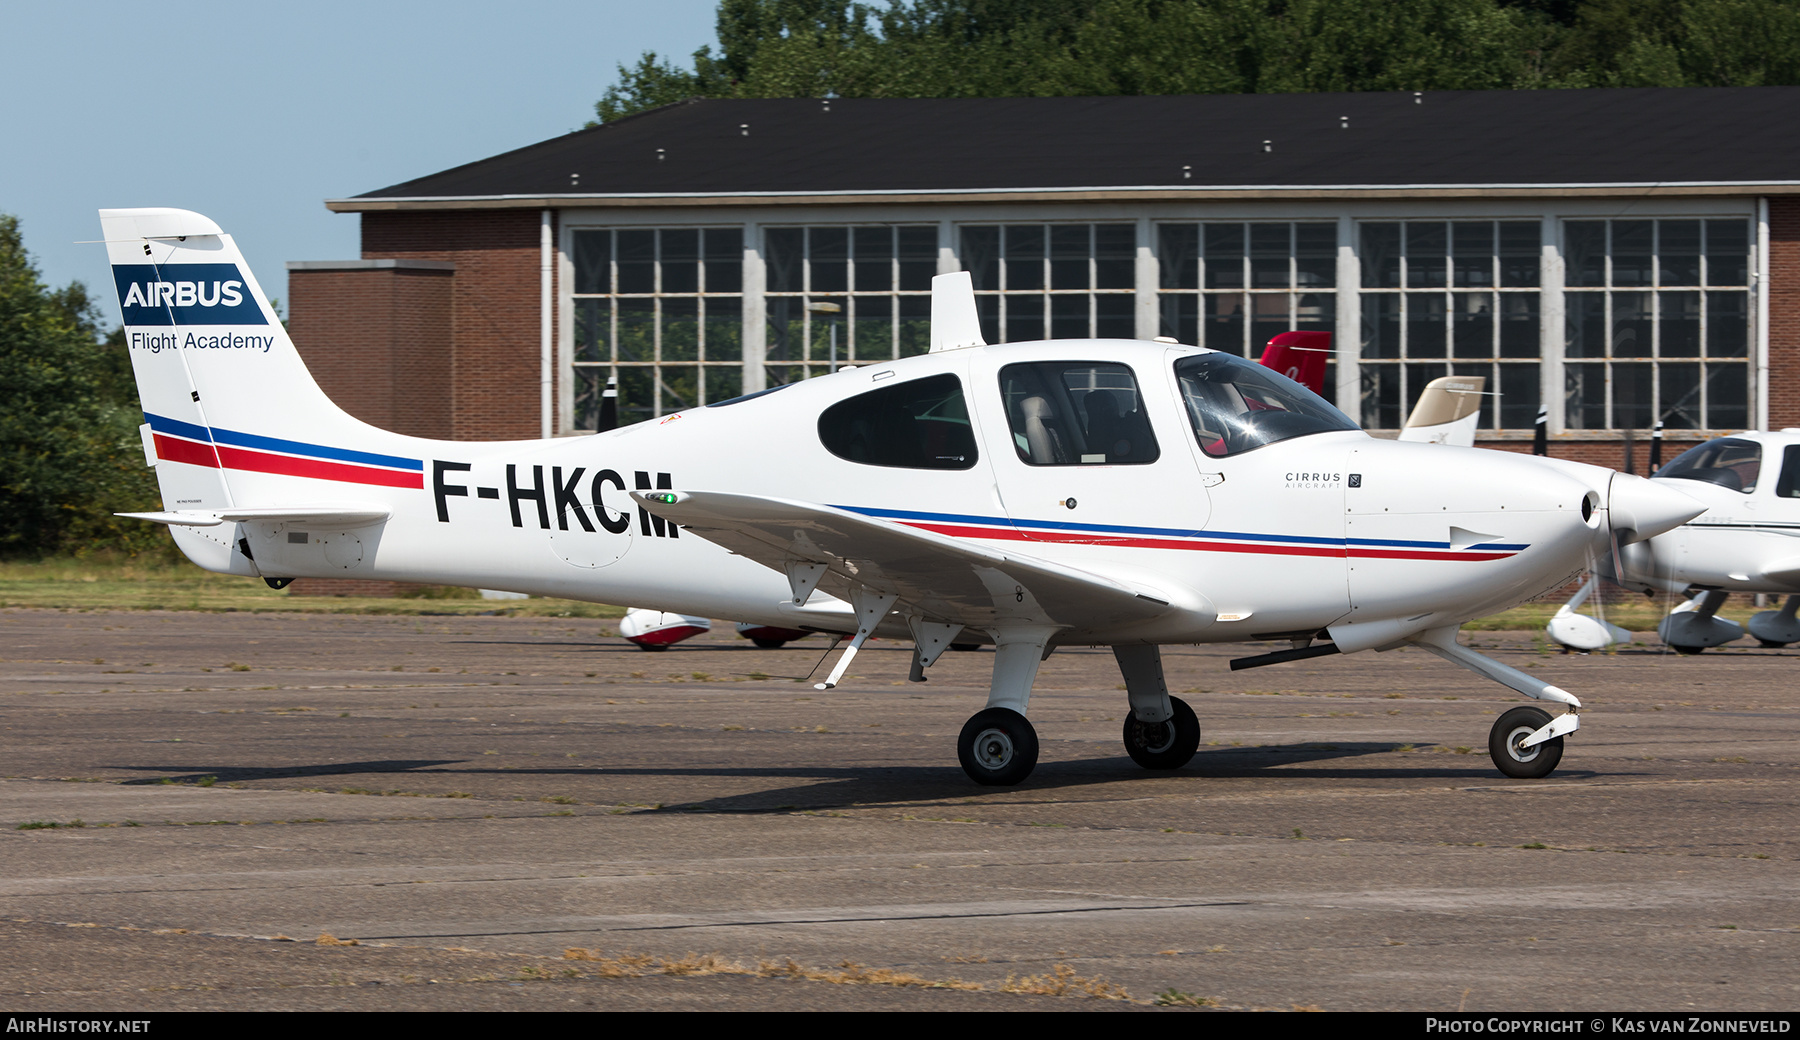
(1694, 626)
(1164, 745)
(998, 746)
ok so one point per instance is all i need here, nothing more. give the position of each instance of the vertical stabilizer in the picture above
(1300, 356)
(235, 418)
(954, 320)
(1447, 412)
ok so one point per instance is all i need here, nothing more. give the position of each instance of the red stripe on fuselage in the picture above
(1425, 554)
(1014, 534)
(169, 449)
(197, 454)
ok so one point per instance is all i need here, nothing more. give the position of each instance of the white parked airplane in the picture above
(1748, 540)
(1032, 495)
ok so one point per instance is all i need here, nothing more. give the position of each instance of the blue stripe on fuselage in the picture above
(1163, 532)
(164, 424)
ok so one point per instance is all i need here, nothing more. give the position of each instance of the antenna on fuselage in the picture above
(954, 320)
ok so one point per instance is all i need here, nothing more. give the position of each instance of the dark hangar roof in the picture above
(1432, 143)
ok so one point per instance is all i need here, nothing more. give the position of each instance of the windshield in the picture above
(1729, 463)
(1238, 406)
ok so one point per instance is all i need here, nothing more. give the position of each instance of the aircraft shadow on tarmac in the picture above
(830, 786)
(236, 774)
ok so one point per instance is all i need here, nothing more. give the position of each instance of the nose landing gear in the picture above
(1506, 744)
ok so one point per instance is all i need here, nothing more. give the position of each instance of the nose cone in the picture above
(1638, 509)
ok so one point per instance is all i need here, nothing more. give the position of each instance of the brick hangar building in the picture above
(1618, 257)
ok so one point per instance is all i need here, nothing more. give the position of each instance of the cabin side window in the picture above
(1076, 413)
(923, 424)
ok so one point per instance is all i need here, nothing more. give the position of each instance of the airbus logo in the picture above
(185, 294)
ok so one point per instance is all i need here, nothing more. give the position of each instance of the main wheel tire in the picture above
(770, 644)
(998, 747)
(1164, 745)
(1686, 651)
(1770, 644)
(653, 648)
(965, 648)
(1533, 762)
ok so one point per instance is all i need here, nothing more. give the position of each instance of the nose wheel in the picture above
(998, 747)
(1164, 745)
(1530, 763)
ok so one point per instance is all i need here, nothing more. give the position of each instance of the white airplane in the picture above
(1031, 495)
(650, 629)
(1748, 540)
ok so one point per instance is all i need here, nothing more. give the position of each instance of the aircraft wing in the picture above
(944, 578)
(347, 516)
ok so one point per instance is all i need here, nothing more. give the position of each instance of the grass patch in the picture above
(99, 583)
(637, 965)
(1637, 614)
(1177, 998)
(1061, 981)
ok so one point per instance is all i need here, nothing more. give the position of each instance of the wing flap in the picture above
(944, 578)
(343, 516)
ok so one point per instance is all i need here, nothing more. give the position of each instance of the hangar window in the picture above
(1658, 324)
(1232, 285)
(1237, 405)
(846, 295)
(661, 308)
(1729, 463)
(1446, 298)
(1073, 413)
(1053, 281)
(922, 424)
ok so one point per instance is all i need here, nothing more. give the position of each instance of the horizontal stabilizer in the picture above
(943, 578)
(341, 516)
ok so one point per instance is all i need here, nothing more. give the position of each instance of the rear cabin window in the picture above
(1076, 413)
(1729, 463)
(923, 424)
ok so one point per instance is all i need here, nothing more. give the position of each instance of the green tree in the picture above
(1689, 43)
(69, 449)
(1002, 48)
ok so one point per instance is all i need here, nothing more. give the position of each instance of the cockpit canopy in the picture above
(1238, 406)
(1728, 462)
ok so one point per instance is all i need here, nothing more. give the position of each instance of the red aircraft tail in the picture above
(1300, 356)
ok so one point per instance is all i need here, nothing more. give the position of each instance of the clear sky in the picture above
(255, 113)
